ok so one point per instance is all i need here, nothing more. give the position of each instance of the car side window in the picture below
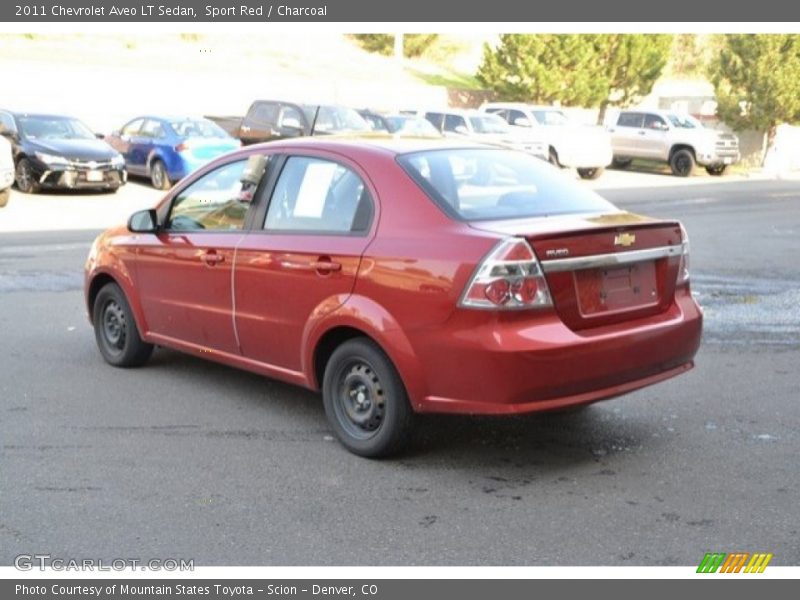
(319, 196)
(513, 115)
(435, 119)
(630, 120)
(7, 123)
(152, 129)
(654, 122)
(133, 127)
(266, 112)
(291, 116)
(453, 122)
(218, 201)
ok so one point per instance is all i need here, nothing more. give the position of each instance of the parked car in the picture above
(167, 149)
(6, 171)
(678, 140)
(56, 151)
(399, 124)
(268, 120)
(485, 128)
(400, 276)
(582, 147)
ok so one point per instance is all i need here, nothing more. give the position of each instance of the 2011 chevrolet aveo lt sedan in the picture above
(400, 277)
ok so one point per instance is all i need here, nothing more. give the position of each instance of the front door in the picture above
(184, 272)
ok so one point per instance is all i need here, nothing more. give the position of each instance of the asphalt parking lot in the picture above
(187, 459)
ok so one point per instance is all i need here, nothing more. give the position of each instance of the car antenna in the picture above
(314, 122)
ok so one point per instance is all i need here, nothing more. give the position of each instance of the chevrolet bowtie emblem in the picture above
(624, 239)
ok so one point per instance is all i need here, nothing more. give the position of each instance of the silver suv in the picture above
(676, 139)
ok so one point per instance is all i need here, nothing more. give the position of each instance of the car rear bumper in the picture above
(508, 369)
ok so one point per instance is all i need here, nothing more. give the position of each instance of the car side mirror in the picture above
(100, 136)
(143, 221)
(522, 122)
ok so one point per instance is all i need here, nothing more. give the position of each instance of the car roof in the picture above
(21, 113)
(376, 142)
(522, 105)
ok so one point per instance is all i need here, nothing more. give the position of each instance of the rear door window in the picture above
(319, 196)
(453, 122)
(629, 119)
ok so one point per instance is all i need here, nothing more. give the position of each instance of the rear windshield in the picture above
(477, 184)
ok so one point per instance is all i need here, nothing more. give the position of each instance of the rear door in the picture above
(626, 134)
(126, 144)
(653, 142)
(301, 259)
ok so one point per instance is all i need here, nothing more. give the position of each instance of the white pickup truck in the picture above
(586, 148)
(6, 171)
(676, 139)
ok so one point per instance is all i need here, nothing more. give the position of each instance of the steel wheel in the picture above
(360, 400)
(365, 400)
(115, 327)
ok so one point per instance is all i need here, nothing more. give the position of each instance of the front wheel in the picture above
(621, 163)
(682, 163)
(365, 400)
(158, 175)
(115, 329)
(25, 178)
(592, 173)
(716, 171)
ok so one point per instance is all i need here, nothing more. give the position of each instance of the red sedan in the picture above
(400, 277)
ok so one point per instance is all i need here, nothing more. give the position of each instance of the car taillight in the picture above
(183, 147)
(683, 267)
(509, 278)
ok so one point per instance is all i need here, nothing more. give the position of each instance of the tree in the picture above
(757, 81)
(543, 68)
(631, 64)
(414, 44)
(587, 70)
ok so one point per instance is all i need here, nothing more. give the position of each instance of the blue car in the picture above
(167, 149)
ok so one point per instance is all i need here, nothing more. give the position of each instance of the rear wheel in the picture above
(621, 163)
(716, 171)
(682, 162)
(158, 175)
(115, 329)
(593, 173)
(365, 400)
(25, 178)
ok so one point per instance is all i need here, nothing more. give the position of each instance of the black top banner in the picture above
(362, 11)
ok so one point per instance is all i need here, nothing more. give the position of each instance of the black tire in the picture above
(717, 171)
(682, 162)
(621, 163)
(158, 175)
(365, 400)
(23, 175)
(4, 196)
(592, 173)
(115, 329)
(552, 158)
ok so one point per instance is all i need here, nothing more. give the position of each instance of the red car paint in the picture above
(271, 302)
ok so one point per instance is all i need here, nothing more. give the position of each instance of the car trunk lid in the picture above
(602, 269)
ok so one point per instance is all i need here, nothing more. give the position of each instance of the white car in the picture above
(586, 148)
(6, 170)
(485, 128)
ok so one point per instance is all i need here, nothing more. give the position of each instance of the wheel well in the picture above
(95, 287)
(677, 147)
(328, 344)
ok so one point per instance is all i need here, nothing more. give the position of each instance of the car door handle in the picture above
(211, 258)
(642, 132)
(326, 266)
